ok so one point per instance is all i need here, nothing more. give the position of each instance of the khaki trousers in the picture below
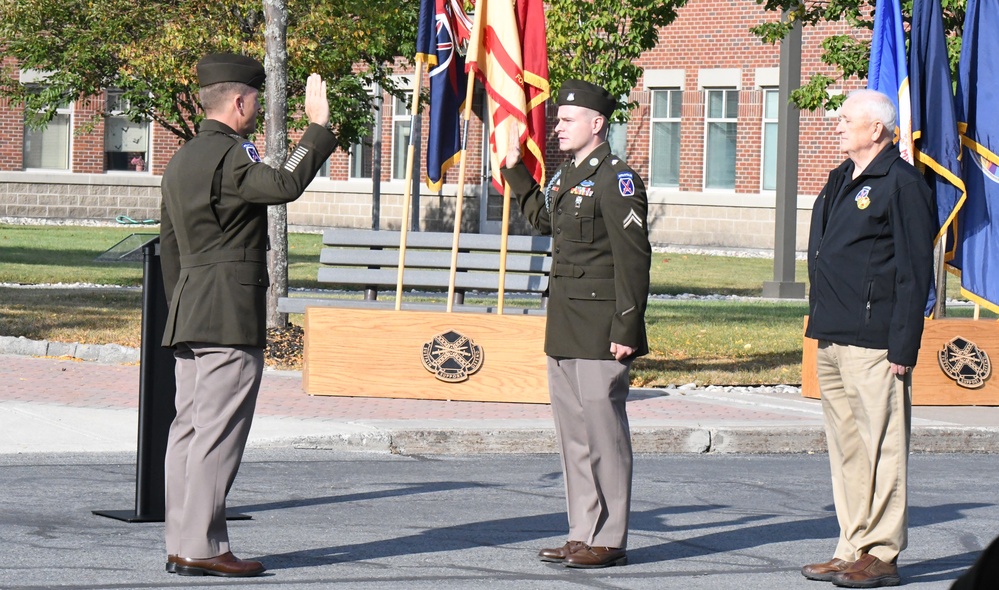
(216, 394)
(868, 415)
(591, 425)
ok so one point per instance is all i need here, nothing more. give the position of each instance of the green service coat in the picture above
(213, 236)
(599, 286)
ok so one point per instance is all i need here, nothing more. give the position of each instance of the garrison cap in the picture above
(215, 68)
(583, 94)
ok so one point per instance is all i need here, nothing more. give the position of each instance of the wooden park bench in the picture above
(369, 260)
(369, 348)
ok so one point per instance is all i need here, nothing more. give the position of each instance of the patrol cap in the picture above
(583, 94)
(215, 68)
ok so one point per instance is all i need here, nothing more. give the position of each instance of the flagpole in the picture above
(940, 306)
(459, 203)
(408, 191)
(504, 234)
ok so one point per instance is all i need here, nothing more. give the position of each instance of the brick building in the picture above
(703, 136)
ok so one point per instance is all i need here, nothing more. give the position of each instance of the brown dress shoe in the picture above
(594, 557)
(825, 571)
(559, 554)
(868, 572)
(226, 565)
(171, 564)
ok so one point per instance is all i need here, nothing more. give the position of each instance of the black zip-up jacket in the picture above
(870, 257)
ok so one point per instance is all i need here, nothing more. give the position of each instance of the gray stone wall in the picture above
(78, 196)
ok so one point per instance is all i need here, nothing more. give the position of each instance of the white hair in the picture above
(878, 106)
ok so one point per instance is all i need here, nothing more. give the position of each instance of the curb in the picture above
(529, 439)
(103, 353)
(668, 441)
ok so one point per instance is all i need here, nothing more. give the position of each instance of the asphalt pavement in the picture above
(731, 489)
(380, 521)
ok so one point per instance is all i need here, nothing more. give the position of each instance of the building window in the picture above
(771, 106)
(48, 147)
(719, 156)
(126, 143)
(324, 170)
(360, 157)
(665, 154)
(362, 153)
(617, 137)
(401, 123)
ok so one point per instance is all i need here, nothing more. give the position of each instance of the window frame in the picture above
(110, 113)
(398, 119)
(727, 92)
(68, 110)
(352, 158)
(765, 121)
(671, 92)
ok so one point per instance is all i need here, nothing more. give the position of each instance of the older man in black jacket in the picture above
(870, 265)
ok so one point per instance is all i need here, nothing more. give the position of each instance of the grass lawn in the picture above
(42, 254)
(731, 341)
(35, 255)
(722, 343)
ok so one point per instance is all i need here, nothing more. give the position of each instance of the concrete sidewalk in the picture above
(56, 405)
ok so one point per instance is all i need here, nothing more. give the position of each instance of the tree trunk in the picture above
(276, 138)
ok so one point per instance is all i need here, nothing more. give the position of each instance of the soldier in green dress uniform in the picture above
(595, 208)
(214, 256)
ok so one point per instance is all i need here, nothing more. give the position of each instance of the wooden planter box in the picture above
(380, 353)
(931, 386)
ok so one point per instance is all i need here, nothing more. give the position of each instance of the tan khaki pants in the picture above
(867, 419)
(591, 425)
(216, 394)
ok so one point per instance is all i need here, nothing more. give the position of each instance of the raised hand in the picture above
(317, 105)
(513, 150)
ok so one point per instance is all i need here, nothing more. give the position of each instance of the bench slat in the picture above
(421, 278)
(298, 305)
(439, 240)
(437, 260)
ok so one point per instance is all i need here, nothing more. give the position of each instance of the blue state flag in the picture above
(439, 45)
(934, 117)
(888, 71)
(977, 252)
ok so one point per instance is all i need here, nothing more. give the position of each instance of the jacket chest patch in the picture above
(582, 191)
(863, 198)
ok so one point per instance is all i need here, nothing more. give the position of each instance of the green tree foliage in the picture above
(600, 40)
(149, 52)
(848, 54)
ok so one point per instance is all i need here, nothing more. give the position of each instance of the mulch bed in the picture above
(284, 347)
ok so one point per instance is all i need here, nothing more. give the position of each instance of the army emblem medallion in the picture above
(452, 357)
(965, 363)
